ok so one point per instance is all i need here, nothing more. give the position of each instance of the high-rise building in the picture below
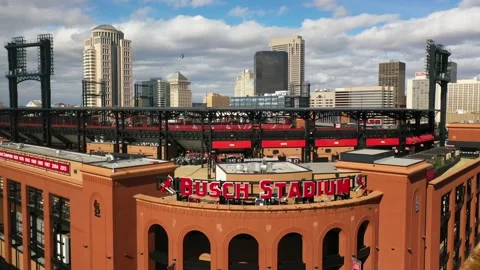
(365, 97)
(323, 98)
(107, 64)
(245, 84)
(180, 92)
(215, 100)
(295, 47)
(153, 93)
(393, 74)
(452, 70)
(418, 93)
(464, 96)
(271, 72)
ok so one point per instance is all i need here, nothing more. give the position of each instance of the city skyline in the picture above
(345, 43)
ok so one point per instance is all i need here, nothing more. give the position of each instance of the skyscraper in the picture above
(393, 74)
(245, 84)
(180, 92)
(152, 93)
(295, 47)
(271, 72)
(107, 64)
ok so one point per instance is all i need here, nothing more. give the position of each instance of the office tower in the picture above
(393, 74)
(365, 97)
(295, 47)
(245, 84)
(107, 64)
(464, 96)
(322, 98)
(271, 72)
(180, 93)
(215, 100)
(452, 70)
(152, 93)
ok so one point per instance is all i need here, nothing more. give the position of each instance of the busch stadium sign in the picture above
(266, 188)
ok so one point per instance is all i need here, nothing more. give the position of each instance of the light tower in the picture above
(436, 65)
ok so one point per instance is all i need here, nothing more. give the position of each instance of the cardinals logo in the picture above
(164, 183)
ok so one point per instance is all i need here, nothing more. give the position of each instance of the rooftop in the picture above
(105, 27)
(262, 168)
(323, 168)
(381, 157)
(106, 161)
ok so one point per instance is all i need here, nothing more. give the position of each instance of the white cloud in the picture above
(340, 52)
(184, 3)
(245, 12)
(469, 3)
(282, 10)
(330, 6)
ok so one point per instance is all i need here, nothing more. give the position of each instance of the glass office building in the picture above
(269, 102)
(271, 71)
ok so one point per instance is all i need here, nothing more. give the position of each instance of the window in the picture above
(445, 217)
(37, 230)
(457, 241)
(15, 204)
(60, 215)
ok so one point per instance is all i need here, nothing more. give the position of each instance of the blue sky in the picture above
(266, 11)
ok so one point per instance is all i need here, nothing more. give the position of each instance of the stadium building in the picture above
(370, 210)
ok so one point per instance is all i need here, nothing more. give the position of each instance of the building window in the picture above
(445, 217)
(16, 229)
(477, 206)
(457, 241)
(2, 228)
(60, 216)
(37, 230)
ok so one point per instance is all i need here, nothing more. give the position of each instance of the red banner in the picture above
(412, 140)
(336, 143)
(231, 144)
(426, 138)
(383, 141)
(283, 143)
(50, 165)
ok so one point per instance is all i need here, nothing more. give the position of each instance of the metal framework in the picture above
(86, 94)
(80, 123)
(18, 72)
(436, 65)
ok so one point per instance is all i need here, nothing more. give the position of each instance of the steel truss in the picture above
(78, 121)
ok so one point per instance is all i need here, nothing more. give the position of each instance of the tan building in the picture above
(393, 74)
(295, 47)
(464, 96)
(322, 99)
(245, 84)
(180, 92)
(216, 100)
(365, 97)
(107, 58)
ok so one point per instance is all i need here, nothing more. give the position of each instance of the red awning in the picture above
(412, 140)
(426, 138)
(336, 143)
(231, 144)
(383, 141)
(283, 143)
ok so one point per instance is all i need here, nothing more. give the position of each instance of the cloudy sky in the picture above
(345, 39)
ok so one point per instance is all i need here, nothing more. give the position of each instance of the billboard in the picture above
(41, 163)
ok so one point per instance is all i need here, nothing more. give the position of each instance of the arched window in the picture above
(196, 251)
(363, 245)
(159, 249)
(332, 259)
(290, 252)
(243, 253)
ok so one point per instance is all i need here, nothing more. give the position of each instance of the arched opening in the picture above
(332, 258)
(158, 247)
(196, 251)
(363, 243)
(290, 252)
(243, 253)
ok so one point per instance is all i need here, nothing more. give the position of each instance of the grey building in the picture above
(271, 72)
(269, 102)
(152, 93)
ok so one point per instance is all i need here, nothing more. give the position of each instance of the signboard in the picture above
(356, 264)
(268, 188)
(41, 163)
(283, 143)
(231, 144)
(371, 122)
(336, 142)
(420, 74)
